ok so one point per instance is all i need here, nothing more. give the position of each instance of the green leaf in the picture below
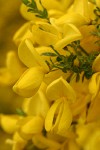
(20, 112)
(26, 2)
(49, 54)
(32, 7)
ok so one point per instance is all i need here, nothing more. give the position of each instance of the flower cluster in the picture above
(58, 78)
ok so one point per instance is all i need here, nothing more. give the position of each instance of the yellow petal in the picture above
(27, 15)
(18, 142)
(29, 56)
(59, 117)
(65, 119)
(8, 123)
(96, 66)
(45, 34)
(29, 82)
(98, 3)
(43, 143)
(60, 88)
(53, 75)
(22, 34)
(81, 7)
(94, 110)
(37, 105)
(57, 5)
(33, 126)
(72, 18)
(94, 85)
(14, 66)
(50, 115)
(70, 34)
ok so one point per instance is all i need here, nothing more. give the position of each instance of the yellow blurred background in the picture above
(10, 21)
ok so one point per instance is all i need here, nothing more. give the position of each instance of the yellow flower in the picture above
(29, 126)
(58, 5)
(78, 14)
(60, 88)
(58, 36)
(81, 7)
(59, 116)
(31, 79)
(36, 105)
(31, 57)
(29, 82)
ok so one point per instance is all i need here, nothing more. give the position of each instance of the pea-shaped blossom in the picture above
(31, 79)
(59, 116)
(78, 14)
(58, 36)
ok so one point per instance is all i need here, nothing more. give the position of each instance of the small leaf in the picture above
(26, 2)
(49, 54)
(20, 112)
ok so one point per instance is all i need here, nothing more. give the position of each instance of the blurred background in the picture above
(10, 21)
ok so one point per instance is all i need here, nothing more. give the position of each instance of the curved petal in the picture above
(50, 115)
(70, 33)
(73, 18)
(94, 85)
(8, 123)
(29, 56)
(65, 119)
(45, 34)
(98, 3)
(96, 66)
(57, 5)
(53, 75)
(33, 126)
(59, 117)
(60, 88)
(81, 7)
(43, 143)
(14, 66)
(37, 105)
(23, 33)
(18, 142)
(29, 82)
